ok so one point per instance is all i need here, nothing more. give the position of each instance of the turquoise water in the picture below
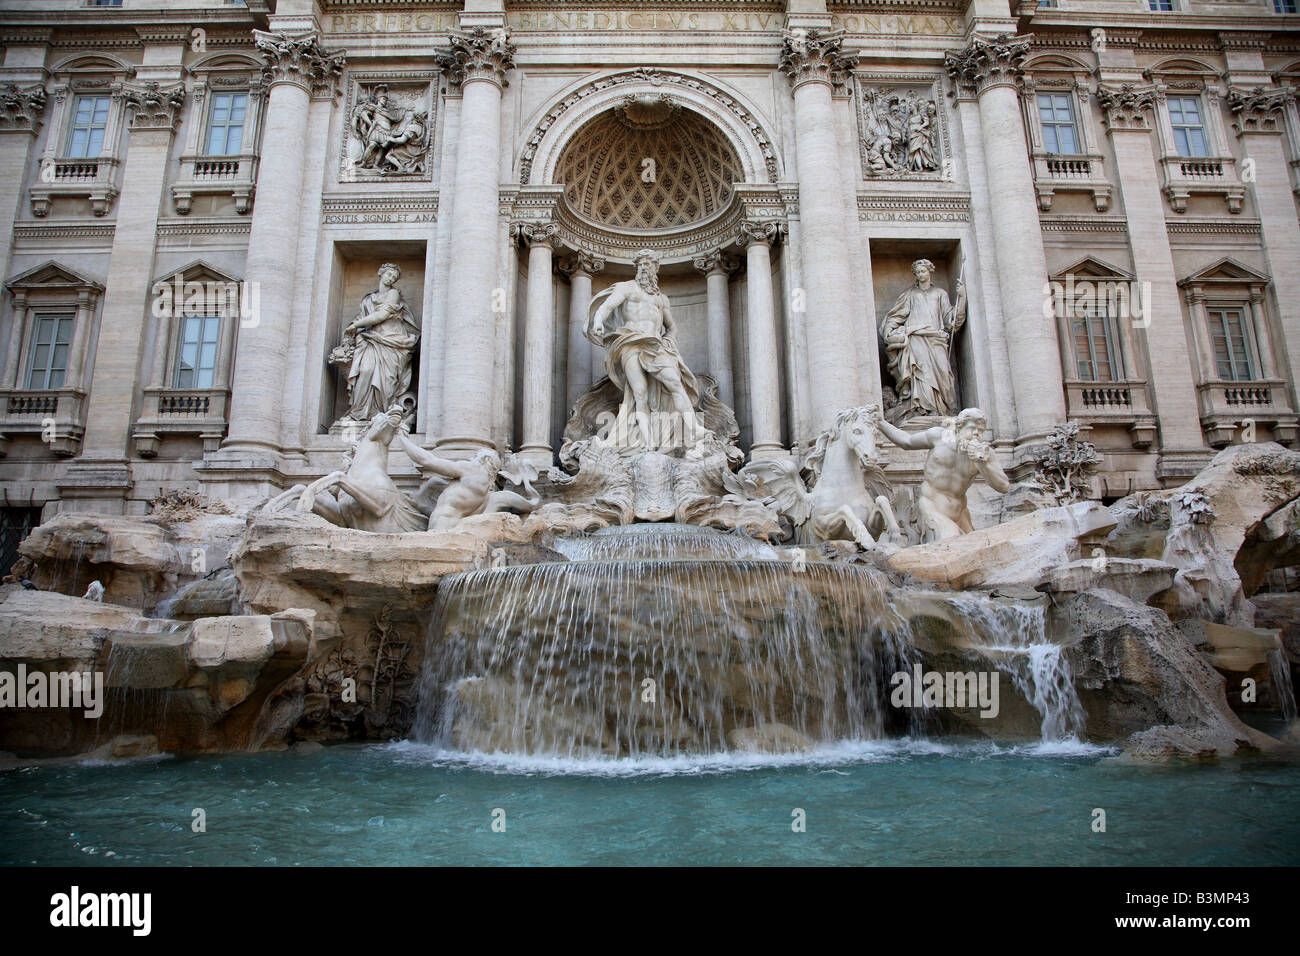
(894, 802)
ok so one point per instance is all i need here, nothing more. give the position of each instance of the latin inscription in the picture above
(661, 21)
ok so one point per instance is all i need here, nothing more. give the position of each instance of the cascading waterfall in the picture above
(1279, 673)
(1014, 638)
(667, 640)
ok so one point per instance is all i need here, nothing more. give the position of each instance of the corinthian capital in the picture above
(1257, 110)
(480, 54)
(1126, 106)
(768, 231)
(587, 263)
(21, 107)
(154, 106)
(298, 59)
(715, 261)
(984, 64)
(811, 56)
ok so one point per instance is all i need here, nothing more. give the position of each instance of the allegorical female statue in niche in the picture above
(918, 333)
(380, 342)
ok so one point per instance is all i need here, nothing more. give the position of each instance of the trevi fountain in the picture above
(647, 433)
(656, 604)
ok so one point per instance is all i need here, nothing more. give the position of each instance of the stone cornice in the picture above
(1257, 110)
(21, 107)
(480, 54)
(986, 64)
(812, 56)
(154, 106)
(298, 59)
(1125, 107)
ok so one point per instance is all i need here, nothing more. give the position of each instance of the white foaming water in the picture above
(1037, 667)
(843, 753)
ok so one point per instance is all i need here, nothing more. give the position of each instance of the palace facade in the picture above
(198, 195)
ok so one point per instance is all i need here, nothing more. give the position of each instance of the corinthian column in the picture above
(294, 64)
(717, 268)
(539, 341)
(764, 380)
(477, 63)
(21, 105)
(578, 375)
(155, 108)
(1168, 357)
(1260, 127)
(814, 63)
(991, 69)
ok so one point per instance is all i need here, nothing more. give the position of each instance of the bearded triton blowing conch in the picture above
(642, 357)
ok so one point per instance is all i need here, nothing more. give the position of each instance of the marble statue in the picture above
(634, 325)
(846, 496)
(958, 453)
(472, 487)
(377, 348)
(361, 496)
(918, 333)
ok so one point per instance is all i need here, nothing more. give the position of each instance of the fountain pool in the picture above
(878, 803)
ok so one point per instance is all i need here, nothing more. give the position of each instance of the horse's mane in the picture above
(873, 475)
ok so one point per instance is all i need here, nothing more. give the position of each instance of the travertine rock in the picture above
(1137, 579)
(1134, 671)
(1018, 552)
(194, 687)
(138, 560)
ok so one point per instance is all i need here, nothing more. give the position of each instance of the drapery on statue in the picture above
(378, 344)
(958, 453)
(918, 333)
(642, 357)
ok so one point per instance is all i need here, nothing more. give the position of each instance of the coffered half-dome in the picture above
(648, 164)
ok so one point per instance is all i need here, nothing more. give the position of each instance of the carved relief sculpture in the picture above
(918, 333)
(377, 348)
(390, 137)
(900, 133)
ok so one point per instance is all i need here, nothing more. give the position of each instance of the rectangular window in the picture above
(1284, 6)
(1164, 6)
(1189, 128)
(196, 357)
(50, 343)
(89, 117)
(226, 124)
(105, 3)
(1094, 347)
(1056, 114)
(1231, 344)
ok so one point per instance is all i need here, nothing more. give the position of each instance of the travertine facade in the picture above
(202, 193)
